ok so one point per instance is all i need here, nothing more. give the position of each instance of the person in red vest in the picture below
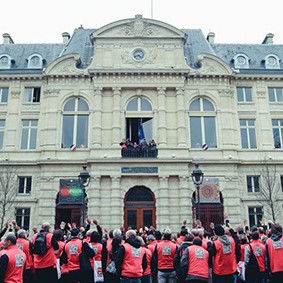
(45, 271)
(12, 261)
(274, 254)
(163, 258)
(181, 238)
(131, 259)
(72, 255)
(224, 254)
(146, 278)
(194, 263)
(25, 245)
(259, 251)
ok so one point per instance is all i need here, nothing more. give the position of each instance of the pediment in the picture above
(138, 27)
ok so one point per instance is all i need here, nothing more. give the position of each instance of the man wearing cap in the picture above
(12, 261)
(163, 258)
(45, 271)
(25, 245)
(73, 250)
(224, 254)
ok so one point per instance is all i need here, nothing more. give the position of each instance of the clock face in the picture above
(138, 54)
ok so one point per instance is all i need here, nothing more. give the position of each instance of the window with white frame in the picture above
(32, 95)
(202, 124)
(75, 123)
(248, 136)
(5, 62)
(244, 94)
(23, 217)
(253, 184)
(25, 185)
(255, 215)
(4, 91)
(35, 61)
(275, 94)
(2, 129)
(29, 134)
(277, 128)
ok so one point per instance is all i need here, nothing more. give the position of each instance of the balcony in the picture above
(149, 152)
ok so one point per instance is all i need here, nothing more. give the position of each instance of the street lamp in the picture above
(84, 177)
(197, 177)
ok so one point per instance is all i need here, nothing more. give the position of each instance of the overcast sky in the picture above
(238, 21)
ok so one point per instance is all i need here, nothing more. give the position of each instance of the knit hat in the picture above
(219, 230)
(75, 232)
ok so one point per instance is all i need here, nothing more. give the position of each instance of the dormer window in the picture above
(241, 61)
(272, 62)
(35, 61)
(5, 62)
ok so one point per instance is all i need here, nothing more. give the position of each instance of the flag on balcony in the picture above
(205, 146)
(73, 147)
(141, 133)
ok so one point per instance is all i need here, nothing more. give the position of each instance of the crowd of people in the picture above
(89, 254)
(141, 149)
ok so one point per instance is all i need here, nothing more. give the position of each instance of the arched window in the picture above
(35, 61)
(5, 62)
(241, 61)
(272, 61)
(139, 117)
(75, 123)
(202, 123)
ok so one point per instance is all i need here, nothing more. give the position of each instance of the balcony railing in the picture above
(150, 152)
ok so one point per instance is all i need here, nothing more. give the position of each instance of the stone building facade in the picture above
(101, 85)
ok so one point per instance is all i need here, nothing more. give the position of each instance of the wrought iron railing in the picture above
(150, 152)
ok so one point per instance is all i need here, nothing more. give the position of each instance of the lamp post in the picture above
(84, 179)
(197, 177)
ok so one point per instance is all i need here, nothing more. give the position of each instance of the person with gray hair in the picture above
(25, 245)
(131, 259)
(12, 261)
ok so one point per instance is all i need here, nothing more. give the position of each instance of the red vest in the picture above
(165, 254)
(16, 263)
(151, 246)
(97, 247)
(180, 240)
(148, 255)
(48, 259)
(259, 252)
(225, 261)
(109, 248)
(73, 250)
(132, 263)
(275, 253)
(198, 261)
(24, 245)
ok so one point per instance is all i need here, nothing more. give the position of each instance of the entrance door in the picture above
(139, 210)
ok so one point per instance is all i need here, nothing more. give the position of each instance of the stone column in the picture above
(116, 203)
(97, 117)
(181, 118)
(116, 117)
(185, 199)
(163, 203)
(94, 197)
(162, 140)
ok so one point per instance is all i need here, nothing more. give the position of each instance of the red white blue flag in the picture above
(73, 147)
(204, 146)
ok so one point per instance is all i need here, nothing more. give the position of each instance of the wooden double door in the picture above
(139, 209)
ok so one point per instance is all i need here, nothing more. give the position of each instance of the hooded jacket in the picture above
(274, 253)
(131, 259)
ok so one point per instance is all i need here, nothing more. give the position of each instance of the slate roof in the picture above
(80, 43)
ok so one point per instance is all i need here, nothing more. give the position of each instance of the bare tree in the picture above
(8, 193)
(269, 190)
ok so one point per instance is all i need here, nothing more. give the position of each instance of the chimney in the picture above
(268, 39)
(210, 37)
(7, 39)
(66, 37)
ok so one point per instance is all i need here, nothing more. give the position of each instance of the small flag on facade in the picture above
(204, 146)
(73, 147)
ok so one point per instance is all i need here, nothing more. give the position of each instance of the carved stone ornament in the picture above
(149, 57)
(140, 28)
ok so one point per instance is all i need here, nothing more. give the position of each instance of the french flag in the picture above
(73, 147)
(204, 146)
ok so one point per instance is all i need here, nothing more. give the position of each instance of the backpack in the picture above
(252, 269)
(39, 246)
